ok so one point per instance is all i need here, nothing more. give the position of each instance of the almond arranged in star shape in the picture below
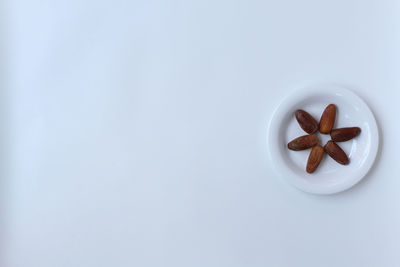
(325, 126)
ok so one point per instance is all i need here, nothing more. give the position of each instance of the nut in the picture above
(327, 119)
(316, 155)
(335, 152)
(303, 142)
(306, 121)
(345, 134)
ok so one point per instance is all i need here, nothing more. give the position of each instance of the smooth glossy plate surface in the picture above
(330, 177)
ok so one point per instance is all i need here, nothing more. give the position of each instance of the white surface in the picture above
(134, 132)
(330, 177)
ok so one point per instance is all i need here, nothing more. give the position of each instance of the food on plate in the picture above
(314, 159)
(345, 134)
(335, 152)
(325, 126)
(303, 142)
(306, 121)
(327, 119)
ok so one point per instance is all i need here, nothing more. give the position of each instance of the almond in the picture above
(306, 121)
(316, 155)
(335, 152)
(345, 134)
(303, 142)
(327, 119)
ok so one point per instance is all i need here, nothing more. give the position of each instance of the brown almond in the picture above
(303, 142)
(327, 119)
(306, 121)
(335, 152)
(316, 155)
(345, 134)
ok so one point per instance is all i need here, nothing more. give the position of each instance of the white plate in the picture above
(330, 177)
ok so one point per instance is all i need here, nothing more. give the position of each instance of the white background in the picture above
(134, 132)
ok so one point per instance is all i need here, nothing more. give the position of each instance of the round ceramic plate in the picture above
(330, 177)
